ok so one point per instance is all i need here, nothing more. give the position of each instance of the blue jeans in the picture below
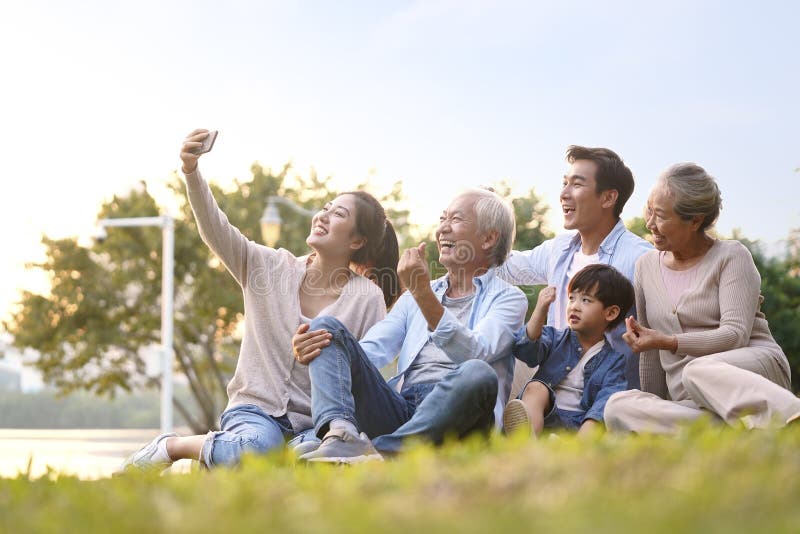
(346, 385)
(247, 428)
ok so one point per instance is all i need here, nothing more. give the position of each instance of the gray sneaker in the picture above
(304, 447)
(515, 416)
(143, 459)
(342, 447)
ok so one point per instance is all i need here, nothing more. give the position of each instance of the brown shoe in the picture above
(516, 417)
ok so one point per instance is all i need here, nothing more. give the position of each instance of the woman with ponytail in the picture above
(377, 260)
(269, 399)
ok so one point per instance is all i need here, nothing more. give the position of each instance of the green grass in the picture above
(706, 480)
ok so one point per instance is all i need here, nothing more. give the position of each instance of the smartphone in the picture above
(208, 143)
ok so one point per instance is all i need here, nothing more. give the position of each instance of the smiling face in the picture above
(333, 228)
(457, 235)
(587, 315)
(582, 206)
(670, 231)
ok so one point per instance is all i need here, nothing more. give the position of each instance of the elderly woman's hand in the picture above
(642, 339)
(192, 142)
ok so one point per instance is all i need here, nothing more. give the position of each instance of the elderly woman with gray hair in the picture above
(705, 346)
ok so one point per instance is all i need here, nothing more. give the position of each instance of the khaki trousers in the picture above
(747, 386)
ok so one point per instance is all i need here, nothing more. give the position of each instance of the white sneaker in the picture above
(149, 456)
(304, 447)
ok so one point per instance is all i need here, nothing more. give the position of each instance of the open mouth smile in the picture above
(446, 244)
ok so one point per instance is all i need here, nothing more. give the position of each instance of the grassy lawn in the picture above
(706, 480)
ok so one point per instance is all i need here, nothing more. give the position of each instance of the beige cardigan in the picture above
(267, 374)
(718, 313)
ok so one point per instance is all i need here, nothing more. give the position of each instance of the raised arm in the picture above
(527, 347)
(224, 239)
(539, 316)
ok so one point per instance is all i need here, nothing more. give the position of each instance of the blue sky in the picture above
(98, 95)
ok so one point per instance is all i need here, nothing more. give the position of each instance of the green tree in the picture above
(531, 212)
(638, 226)
(780, 286)
(102, 313)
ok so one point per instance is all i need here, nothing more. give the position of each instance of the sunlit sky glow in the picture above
(98, 95)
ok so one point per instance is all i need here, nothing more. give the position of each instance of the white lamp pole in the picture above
(167, 225)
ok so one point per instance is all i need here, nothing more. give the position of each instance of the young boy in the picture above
(578, 368)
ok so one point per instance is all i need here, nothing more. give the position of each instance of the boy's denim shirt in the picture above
(557, 352)
(498, 311)
(548, 264)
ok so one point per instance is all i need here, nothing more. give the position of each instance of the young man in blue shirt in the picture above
(595, 189)
(578, 370)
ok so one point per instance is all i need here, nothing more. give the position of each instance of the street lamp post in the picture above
(167, 225)
(271, 219)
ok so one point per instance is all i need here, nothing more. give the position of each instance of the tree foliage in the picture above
(638, 226)
(780, 286)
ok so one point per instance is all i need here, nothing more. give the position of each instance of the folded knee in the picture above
(326, 322)
(478, 371)
(696, 370)
(260, 443)
(479, 374)
(617, 407)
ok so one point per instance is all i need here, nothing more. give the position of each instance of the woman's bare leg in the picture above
(186, 447)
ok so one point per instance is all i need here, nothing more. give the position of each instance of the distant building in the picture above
(14, 374)
(10, 378)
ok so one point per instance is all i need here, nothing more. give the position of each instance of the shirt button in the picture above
(569, 368)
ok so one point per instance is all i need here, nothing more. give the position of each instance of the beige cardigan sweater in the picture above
(267, 374)
(718, 313)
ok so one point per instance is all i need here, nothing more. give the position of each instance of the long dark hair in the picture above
(377, 259)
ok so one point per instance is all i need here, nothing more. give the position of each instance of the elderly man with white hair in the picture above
(452, 336)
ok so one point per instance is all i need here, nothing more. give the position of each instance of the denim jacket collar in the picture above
(578, 349)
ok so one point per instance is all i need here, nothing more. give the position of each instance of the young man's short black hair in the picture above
(611, 172)
(609, 286)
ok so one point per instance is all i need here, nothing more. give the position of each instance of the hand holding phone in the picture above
(208, 143)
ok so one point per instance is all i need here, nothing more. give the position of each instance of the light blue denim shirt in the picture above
(498, 311)
(549, 262)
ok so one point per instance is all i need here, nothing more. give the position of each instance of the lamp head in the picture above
(271, 224)
(100, 234)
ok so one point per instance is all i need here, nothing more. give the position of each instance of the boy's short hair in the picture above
(610, 287)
